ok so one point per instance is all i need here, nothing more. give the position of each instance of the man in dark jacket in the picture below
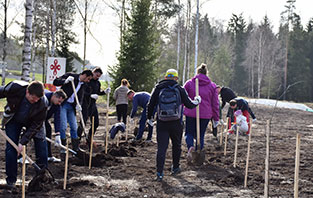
(89, 106)
(226, 94)
(68, 113)
(55, 100)
(169, 129)
(26, 107)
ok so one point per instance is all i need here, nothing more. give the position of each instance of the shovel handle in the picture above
(16, 148)
(61, 146)
(198, 116)
(80, 112)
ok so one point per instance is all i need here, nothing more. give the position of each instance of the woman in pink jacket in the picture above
(209, 107)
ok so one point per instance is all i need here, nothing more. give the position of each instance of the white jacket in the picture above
(241, 121)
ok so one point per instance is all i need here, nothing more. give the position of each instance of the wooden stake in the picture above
(248, 156)
(236, 146)
(198, 117)
(127, 129)
(297, 164)
(23, 171)
(221, 133)
(91, 141)
(107, 125)
(66, 166)
(267, 159)
(226, 135)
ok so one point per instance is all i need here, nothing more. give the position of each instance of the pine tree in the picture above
(137, 59)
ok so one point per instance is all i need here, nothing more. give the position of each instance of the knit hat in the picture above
(238, 112)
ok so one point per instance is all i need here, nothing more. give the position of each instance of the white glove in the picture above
(215, 123)
(20, 148)
(254, 120)
(69, 79)
(197, 100)
(57, 140)
(78, 107)
(94, 96)
(107, 90)
(131, 121)
(150, 122)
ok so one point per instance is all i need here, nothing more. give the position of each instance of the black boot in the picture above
(75, 144)
(62, 151)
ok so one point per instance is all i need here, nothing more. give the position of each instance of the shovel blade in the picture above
(198, 157)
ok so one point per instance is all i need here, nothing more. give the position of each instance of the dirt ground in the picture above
(129, 171)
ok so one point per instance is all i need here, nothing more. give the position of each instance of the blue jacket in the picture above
(53, 110)
(140, 99)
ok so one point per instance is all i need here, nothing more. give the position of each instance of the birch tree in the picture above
(27, 40)
(196, 38)
(178, 39)
(187, 42)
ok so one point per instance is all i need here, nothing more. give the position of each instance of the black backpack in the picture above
(169, 107)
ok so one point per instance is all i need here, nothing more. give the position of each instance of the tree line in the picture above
(247, 56)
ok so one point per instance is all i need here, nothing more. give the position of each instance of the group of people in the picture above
(29, 108)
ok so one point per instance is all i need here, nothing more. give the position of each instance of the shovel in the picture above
(80, 112)
(61, 146)
(16, 147)
(198, 155)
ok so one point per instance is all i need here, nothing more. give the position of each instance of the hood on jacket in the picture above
(203, 79)
(164, 83)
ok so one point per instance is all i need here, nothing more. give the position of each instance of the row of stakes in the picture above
(266, 181)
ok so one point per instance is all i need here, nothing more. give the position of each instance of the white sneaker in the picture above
(53, 159)
(20, 161)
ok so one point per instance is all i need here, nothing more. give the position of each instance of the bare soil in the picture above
(129, 170)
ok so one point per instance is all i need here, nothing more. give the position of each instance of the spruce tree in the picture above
(137, 58)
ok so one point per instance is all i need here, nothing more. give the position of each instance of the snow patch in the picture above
(281, 104)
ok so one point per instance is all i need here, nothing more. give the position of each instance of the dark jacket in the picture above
(15, 92)
(53, 110)
(154, 100)
(243, 105)
(68, 89)
(227, 95)
(93, 87)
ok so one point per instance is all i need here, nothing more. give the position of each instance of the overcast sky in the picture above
(102, 50)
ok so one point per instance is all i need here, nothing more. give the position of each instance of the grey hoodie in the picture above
(120, 95)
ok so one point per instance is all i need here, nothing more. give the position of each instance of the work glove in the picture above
(197, 100)
(78, 107)
(254, 120)
(131, 121)
(150, 122)
(69, 79)
(94, 96)
(57, 140)
(107, 90)
(215, 123)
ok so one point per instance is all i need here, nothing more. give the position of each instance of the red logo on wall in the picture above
(55, 66)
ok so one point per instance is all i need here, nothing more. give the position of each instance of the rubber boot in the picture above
(62, 151)
(75, 144)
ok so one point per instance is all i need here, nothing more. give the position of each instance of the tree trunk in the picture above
(186, 63)
(54, 9)
(33, 69)
(196, 38)
(178, 39)
(47, 40)
(122, 21)
(27, 40)
(4, 41)
(85, 32)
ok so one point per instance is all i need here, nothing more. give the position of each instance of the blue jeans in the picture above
(13, 131)
(191, 131)
(67, 114)
(142, 125)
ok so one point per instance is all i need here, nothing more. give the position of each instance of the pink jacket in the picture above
(209, 106)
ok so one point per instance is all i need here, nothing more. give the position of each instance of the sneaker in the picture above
(159, 177)
(20, 161)
(148, 141)
(175, 171)
(53, 159)
(189, 154)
